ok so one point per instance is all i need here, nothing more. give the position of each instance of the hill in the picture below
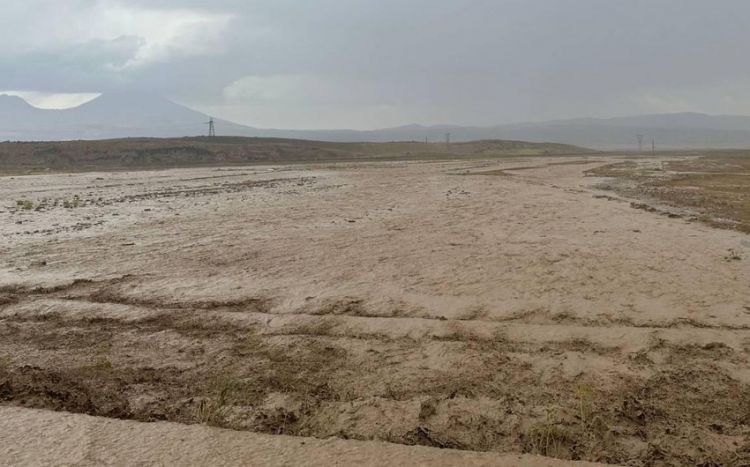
(143, 115)
(119, 115)
(135, 153)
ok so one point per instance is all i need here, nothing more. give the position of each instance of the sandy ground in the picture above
(32, 437)
(462, 305)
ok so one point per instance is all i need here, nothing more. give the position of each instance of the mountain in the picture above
(15, 114)
(108, 116)
(136, 114)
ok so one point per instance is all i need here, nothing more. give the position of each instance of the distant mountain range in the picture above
(143, 115)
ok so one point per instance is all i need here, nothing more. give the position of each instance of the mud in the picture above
(394, 302)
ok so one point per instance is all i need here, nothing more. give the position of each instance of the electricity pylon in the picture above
(211, 128)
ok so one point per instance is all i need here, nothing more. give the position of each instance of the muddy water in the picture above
(397, 302)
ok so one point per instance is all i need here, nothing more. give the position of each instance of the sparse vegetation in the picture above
(211, 410)
(72, 203)
(733, 255)
(25, 204)
(207, 412)
(549, 437)
(152, 153)
(575, 434)
(714, 187)
(516, 320)
(5, 363)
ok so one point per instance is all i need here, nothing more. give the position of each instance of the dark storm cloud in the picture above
(365, 63)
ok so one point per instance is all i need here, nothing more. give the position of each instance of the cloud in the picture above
(721, 97)
(163, 34)
(369, 63)
(334, 100)
(106, 54)
(253, 89)
(116, 34)
(47, 100)
(310, 89)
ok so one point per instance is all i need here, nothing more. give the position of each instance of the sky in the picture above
(366, 64)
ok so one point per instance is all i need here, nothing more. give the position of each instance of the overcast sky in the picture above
(376, 63)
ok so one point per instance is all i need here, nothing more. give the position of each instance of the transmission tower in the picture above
(653, 146)
(448, 140)
(640, 143)
(211, 128)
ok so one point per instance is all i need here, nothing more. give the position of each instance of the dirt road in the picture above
(465, 305)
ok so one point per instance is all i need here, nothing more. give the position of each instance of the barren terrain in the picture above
(155, 153)
(40, 437)
(713, 187)
(505, 305)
